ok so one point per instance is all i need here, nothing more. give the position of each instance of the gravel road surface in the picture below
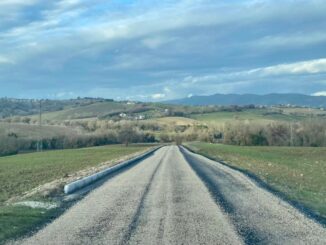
(178, 197)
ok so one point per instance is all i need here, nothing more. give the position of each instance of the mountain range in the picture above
(247, 99)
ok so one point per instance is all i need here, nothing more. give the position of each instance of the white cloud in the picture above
(147, 24)
(289, 40)
(158, 96)
(231, 81)
(5, 60)
(320, 93)
(167, 89)
(61, 95)
(156, 42)
(144, 45)
(308, 67)
(17, 2)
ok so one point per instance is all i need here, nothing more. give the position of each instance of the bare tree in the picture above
(127, 135)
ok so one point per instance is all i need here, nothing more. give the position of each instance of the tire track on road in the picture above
(249, 235)
(179, 210)
(259, 216)
(104, 222)
(135, 220)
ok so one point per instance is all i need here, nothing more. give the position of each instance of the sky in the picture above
(152, 50)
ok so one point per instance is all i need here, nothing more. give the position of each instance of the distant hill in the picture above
(23, 107)
(22, 110)
(247, 99)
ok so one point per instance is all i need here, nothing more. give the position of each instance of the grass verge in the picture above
(22, 173)
(16, 220)
(297, 172)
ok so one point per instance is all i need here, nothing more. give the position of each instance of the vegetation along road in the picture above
(178, 197)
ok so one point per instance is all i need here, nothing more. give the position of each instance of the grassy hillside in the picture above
(22, 130)
(178, 121)
(111, 110)
(86, 111)
(260, 115)
(97, 122)
(299, 172)
(24, 107)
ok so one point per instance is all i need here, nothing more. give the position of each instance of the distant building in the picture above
(140, 117)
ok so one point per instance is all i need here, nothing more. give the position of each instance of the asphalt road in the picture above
(177, 197)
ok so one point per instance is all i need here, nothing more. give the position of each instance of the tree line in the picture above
(310, 133)
(306, 133)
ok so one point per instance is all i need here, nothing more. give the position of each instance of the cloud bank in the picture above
(157, 50)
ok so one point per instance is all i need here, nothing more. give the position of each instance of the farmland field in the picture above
(23, 130)
(257, 115)
(175, 121)
(88, 111)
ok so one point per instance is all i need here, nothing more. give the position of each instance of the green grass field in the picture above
(257, 115)
(304, 111)
(34, 131)
(89, 111)
(153, 111)
(21, 173)
(104, 109)
(18, 220)
(298, 172)
(179, 121)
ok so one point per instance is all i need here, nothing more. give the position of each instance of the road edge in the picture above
(307, 212)
(88, 180)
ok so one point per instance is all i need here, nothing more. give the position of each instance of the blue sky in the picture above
(159, 50)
